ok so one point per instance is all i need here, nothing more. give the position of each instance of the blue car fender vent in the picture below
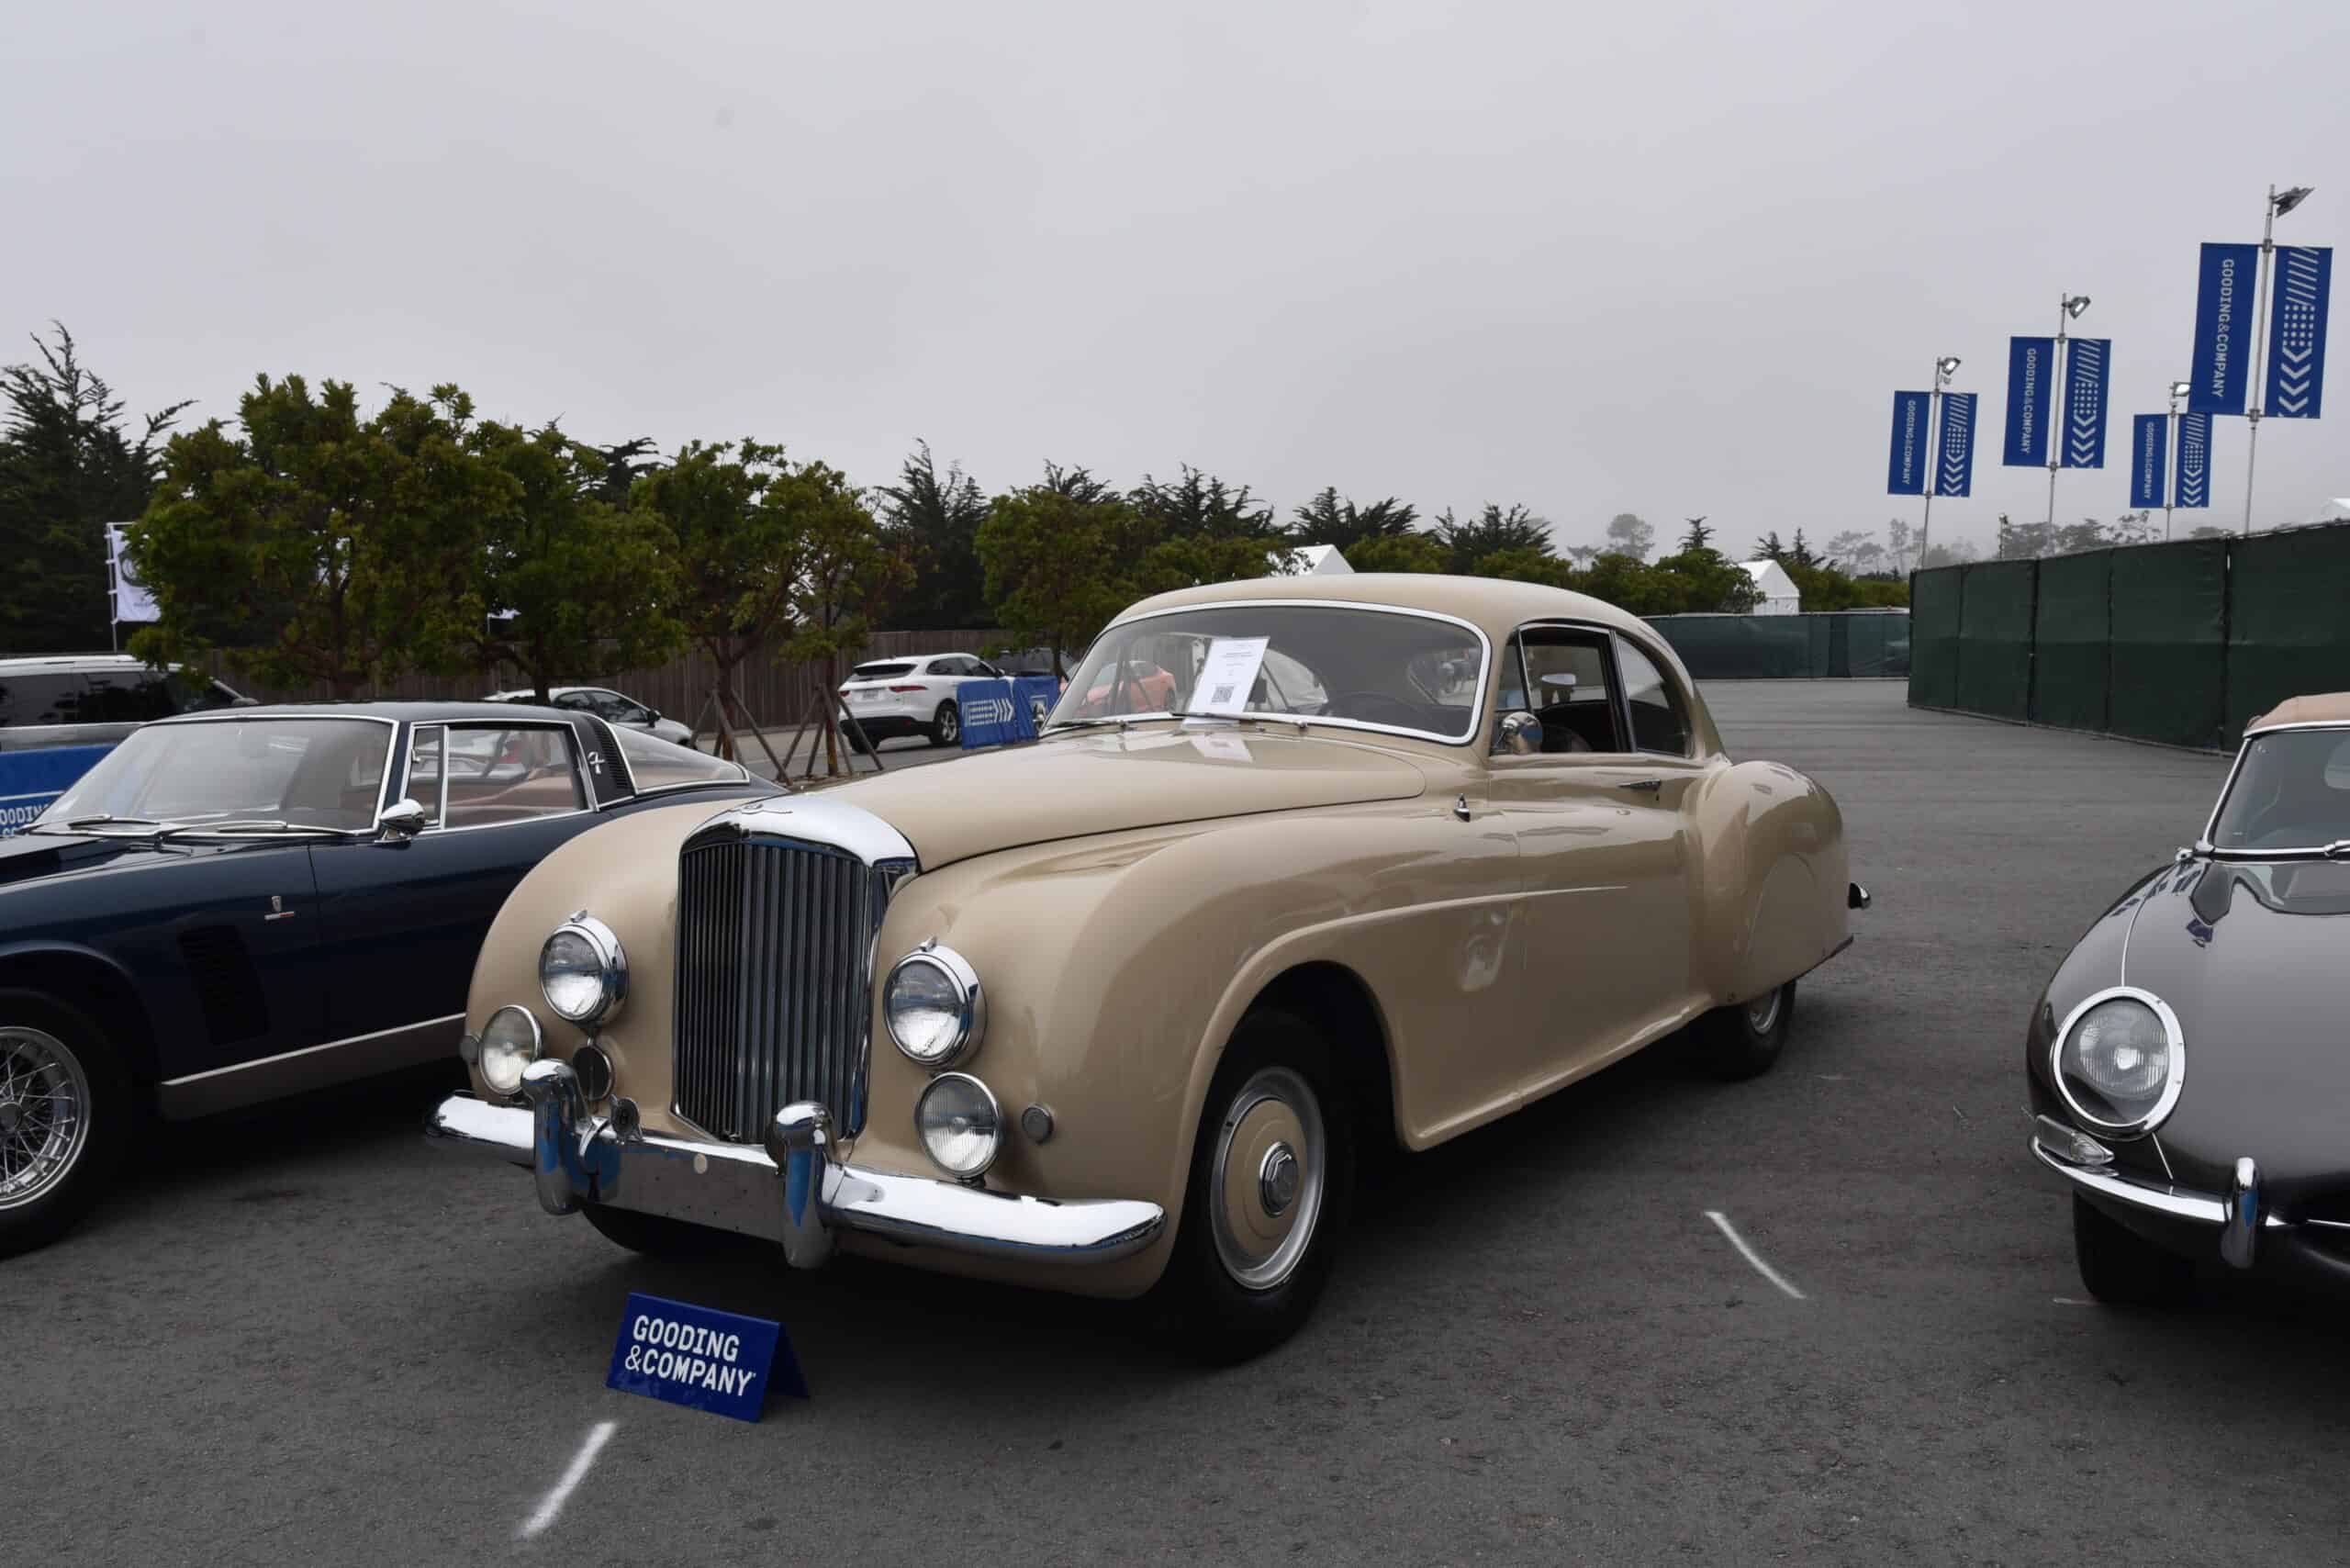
(227, 989)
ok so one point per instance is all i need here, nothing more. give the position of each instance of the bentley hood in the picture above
(2255, 959)
(1152, 776)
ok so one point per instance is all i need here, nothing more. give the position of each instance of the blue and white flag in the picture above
(2149, 435)
(2223, 362)
(2082, 433)
(1905, 473)
(1954, 468)
(2032, 394)
(2297, 333)
(2191, 474)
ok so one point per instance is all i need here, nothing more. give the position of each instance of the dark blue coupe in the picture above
(231, 907)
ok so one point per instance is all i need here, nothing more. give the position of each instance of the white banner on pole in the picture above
(131, 601)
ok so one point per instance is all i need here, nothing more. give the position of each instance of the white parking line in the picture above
(1721, 1223)
(554, 1500)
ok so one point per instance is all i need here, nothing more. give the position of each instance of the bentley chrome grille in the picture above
(774, 985)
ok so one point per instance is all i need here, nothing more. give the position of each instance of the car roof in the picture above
(419, 713)
(1497, 605)
(27, 662)
(522, 692)
(2319, 708)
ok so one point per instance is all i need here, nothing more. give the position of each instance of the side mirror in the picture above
(403, 822)
(655, 715)
(1517, 734)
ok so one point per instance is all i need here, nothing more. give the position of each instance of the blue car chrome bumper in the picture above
(796, 1191)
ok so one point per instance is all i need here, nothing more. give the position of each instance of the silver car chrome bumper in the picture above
(796, 1191)
(2238, 1218)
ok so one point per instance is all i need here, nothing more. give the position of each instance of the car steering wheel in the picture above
(1401, 711)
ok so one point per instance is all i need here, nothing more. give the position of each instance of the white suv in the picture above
(913, 695)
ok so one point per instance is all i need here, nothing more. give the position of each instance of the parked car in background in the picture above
(2234, 952)
(913, 696)
(1385, 897)
(95, 699)
(612, 706)
(234, 906)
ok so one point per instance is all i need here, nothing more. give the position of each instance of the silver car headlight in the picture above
(584, 972)
(959, 1123)
(2119, 1062)
(510, 1042)
(934, 1006)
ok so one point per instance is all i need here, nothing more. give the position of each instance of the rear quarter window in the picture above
(27, 701)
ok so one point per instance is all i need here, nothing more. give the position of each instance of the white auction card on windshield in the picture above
(1228, 676)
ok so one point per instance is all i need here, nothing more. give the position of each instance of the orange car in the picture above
(1138, 685)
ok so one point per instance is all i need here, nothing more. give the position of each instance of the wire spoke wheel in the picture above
(44, 1113)
(1271, 1155)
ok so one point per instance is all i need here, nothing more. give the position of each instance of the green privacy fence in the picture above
(1789, 647)
(2182, 643)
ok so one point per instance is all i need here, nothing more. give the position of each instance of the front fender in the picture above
(1771, 881)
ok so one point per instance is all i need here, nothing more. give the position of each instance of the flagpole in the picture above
(1933, 460)
(2259, 343)
(2170, 463)
(2056, 402)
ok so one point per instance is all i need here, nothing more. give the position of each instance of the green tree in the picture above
(69, 465)
(1410, 552)
(1525, 564)
(350, 546)
(622, 464)
(1492, 531)
(1327, 519)
(1051, 555)
(1768, 548)
(934, 518)
(572, 587)
(1200, 506)
(731, 554)
(1627, 535)
(1698, 536)
(844, 567)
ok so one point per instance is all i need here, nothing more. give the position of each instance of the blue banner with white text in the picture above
(1905, 473)
(2190, 483)
(988, 712)
(2081, 433)
(1954, 460)
(2220, 371)
(1033, 697)
(2032, 395)
(2148, 439)
(2296, 331)
(30, 780)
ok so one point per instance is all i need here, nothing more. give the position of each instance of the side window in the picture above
(507, 775)
(29, 700)
(1660, 720)
(133, 696)
(425, 756)
(1567, 686)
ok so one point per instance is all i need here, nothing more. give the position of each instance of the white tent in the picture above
(1312, 560)
(2337, 510)
(1780, 595)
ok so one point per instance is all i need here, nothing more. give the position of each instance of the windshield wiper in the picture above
(1252, 716)
(234, 827)
(1121, 719)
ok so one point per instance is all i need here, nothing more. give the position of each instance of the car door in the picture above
(1609, 868)
(402, 918)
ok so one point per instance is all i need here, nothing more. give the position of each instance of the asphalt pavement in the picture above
(301, 1336)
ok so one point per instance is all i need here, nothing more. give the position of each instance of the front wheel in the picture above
(64, 1103)
(1271, 1185)
(2121, 1268)
(946, 725)
(1744, 1039)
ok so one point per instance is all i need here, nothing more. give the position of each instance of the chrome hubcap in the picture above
(44, 1113)
(1267, 1175)
(1764, 1011)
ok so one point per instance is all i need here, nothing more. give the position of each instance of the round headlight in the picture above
(934, 1006)
(510, 1042)
(959, 1124)
(2120, 1062)
(583, 971)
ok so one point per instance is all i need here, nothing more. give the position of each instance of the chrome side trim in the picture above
(290, 1072)
(2153, 1197)
(741, 1187)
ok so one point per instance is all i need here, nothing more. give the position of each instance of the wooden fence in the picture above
(776, 693)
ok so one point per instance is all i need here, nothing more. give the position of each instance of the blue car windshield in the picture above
(325, 773)
(2291, 791)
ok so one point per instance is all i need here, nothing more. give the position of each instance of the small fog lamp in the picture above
(510, 1042)
(959, 1124)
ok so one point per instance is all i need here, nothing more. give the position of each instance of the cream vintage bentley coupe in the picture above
(1354, 861)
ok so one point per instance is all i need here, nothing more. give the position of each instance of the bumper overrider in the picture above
(2237, 1227)
(796, 1191)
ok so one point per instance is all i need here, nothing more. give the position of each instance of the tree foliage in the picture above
(1327, 519)
(69, 465)
(1494, 530)
(1051, 559)
(1627, 535)
(1408, 552)
(347, 547)
(933, 519)
(571, 586)
(731, 547)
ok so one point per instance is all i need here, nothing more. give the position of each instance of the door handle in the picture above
(1645, 786)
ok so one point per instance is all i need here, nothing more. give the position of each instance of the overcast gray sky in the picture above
(1636, 257)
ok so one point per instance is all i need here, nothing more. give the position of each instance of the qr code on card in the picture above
(1223, 695)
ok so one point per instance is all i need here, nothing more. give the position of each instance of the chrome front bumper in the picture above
(796, 1191)
(2237, 1218)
